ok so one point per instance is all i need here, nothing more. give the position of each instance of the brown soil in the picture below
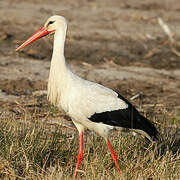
(21, 86)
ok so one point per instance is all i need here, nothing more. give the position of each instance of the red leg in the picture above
(113, 154)
(80, 155)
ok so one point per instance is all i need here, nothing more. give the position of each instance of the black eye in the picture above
(51, 22)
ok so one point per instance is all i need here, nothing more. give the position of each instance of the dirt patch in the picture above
(101, 37)
(22, 86)
(124, 51)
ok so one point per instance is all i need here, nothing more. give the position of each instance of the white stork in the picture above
(90, 105)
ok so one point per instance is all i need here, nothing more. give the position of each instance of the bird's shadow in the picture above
(170, 142)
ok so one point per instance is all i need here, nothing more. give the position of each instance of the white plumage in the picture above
(79, 98)
(90, 105)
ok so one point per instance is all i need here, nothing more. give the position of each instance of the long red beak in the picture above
(40, 33)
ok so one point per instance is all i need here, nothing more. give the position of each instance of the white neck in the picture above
(59, 73)
(59, 41)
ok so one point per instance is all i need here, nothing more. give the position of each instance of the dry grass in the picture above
(30, 149)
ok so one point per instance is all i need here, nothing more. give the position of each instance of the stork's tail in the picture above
(149, 128)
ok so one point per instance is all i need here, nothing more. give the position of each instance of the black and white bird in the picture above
(90, 105)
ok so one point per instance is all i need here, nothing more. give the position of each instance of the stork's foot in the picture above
(79, 160)
(80, 155)
(113, 154)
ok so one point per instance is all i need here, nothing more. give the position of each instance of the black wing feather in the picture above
(127, 118)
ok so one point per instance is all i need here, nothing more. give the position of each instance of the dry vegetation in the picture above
(33, 148)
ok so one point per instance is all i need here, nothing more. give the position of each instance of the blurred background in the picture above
(132, 46)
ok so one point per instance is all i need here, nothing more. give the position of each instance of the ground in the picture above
(119, 44)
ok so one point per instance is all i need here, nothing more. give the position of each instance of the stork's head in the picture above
(52, 25)
(55, 22)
